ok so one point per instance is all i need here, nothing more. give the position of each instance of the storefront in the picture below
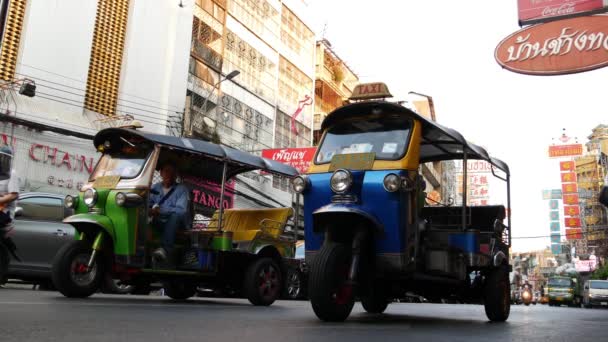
(49, 162)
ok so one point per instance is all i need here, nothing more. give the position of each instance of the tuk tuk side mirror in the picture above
(18, 211)
(603, 197)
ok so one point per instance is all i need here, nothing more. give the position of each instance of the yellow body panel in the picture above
(410, 161)
(245, 224)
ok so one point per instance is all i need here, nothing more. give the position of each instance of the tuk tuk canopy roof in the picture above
(438, 142)
(238, 161)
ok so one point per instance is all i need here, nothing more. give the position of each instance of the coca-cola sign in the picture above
(556, 48)
(535, 11)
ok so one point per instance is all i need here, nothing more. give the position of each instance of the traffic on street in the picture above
(262, 169)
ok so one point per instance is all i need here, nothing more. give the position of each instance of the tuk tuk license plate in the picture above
(604, 303)
(106, 182)
(352, 161)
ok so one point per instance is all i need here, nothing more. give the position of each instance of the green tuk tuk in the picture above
(239, 249)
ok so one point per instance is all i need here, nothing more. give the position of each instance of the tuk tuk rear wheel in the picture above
(263, 282)
(331, 296)
(496, 295)
(179, 289)
(70, 273)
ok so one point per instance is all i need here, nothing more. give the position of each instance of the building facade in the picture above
(334, 84)
(590, 175)
(95, 64)
(269, 104)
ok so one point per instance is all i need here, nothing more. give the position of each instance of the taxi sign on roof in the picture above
(368, 91)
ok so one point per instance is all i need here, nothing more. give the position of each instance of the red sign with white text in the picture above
(572, 210)
(299, 158)
(544, 10)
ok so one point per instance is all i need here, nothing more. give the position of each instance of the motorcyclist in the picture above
(9, 191)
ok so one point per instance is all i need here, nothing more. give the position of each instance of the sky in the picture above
(445, 49)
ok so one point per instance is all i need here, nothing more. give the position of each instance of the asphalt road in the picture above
(27, 315)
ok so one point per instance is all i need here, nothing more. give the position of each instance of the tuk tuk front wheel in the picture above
(263, 282)
(331, 295)
(71, 274)
(496, 295)
(374, 304)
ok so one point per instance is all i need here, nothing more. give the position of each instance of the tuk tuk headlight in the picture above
(341, 181)
(70, 202)
(299, 184)
(90, 197)
(392, 182)
(120, 199)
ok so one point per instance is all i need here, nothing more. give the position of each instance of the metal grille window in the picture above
(258, 73)
(285, 135)
(207, 44)
(259, 16)
(296, 36)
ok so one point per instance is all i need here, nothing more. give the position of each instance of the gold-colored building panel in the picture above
(106, 56)
(11, 39)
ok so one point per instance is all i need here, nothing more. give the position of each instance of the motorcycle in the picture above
(526, 296)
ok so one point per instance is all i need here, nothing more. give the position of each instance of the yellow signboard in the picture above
(106, 182)
(352, 161)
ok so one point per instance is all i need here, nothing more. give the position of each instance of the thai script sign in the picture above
(569, 188)
(568, 177)
(573, 222)
(299, 158)
(572, 210)
(557, 48)
(565, 150)
(534, 11)
(566, 166)
(553, 204)
(554, 215)
(571, 199)
(552, 194)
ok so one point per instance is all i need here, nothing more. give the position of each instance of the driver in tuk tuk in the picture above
(170, 211)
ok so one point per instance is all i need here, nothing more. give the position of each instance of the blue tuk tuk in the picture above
(368, 233)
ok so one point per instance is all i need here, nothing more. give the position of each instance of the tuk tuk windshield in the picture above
(387, 137)
(560, 282)
(121, 163)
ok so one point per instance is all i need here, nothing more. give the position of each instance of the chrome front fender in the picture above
(337, 212)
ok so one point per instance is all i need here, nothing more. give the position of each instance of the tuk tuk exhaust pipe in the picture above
(97, 245)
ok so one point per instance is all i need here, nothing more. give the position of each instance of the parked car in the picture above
(39, 233)
(296, 279)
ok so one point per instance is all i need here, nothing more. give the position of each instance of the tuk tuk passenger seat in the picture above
(245, 224)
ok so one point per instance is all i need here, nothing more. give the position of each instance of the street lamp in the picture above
(431, 105)
(231, 75)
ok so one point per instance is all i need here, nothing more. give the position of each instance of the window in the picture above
(41, 208)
